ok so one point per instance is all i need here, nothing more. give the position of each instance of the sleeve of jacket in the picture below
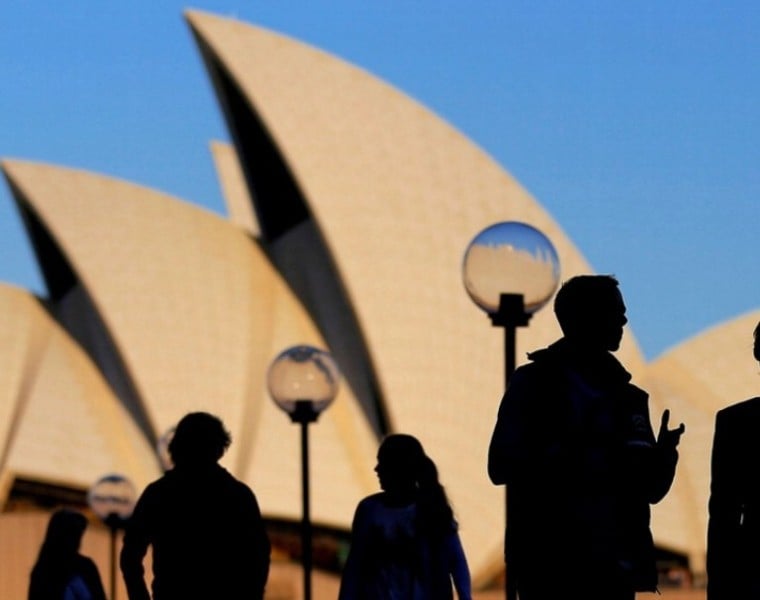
(515, 439)
(725, 509)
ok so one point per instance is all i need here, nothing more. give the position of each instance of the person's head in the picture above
(756, 349)
(64, 532)
(199, 439)
(399, 462)
(404, 469)
(591, 312)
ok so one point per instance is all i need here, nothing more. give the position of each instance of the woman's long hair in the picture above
(58, 553)
(403, 455)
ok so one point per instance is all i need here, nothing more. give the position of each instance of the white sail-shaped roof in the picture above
(197, 314)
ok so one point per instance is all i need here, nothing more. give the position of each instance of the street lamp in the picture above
(510, 270)
(112, 498)
(303, 382)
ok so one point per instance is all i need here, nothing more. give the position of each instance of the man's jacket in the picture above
(733, 533)
(574, 445)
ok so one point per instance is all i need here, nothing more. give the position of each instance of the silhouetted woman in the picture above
(61, 572)
(404, 540)
(733, 532)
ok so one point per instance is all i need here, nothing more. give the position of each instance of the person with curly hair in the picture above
(204, 525)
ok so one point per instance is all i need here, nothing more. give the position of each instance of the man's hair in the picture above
(580, 298)
(756, 350)
(200, 438)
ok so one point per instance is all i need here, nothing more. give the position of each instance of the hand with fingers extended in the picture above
(669, 438)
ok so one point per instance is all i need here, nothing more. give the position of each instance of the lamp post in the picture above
(112, 498)
(510, 270)
(303, 382)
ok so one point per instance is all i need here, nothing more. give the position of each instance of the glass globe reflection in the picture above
(112, 496)
(510, 258)
(303, 373)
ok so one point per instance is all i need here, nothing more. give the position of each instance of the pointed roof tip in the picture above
(6, 160)
(7, 165)
(13, 162)
(13, 168)
(191, 16)
(196, 17)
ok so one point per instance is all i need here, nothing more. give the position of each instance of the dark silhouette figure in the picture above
(574, 445)
(404, 540)
(733, 532)
(204, 526)
(61, 572)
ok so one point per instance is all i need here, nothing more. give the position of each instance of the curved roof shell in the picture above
(197, 314)
(61, 423)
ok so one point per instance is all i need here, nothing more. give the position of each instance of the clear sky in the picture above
(635, 124)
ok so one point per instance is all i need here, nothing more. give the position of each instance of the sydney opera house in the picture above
(349, 208)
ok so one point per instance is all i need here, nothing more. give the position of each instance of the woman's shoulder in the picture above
(372, 501)
(382, 502)
(85, 564)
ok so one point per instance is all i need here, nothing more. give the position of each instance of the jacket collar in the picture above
(599, 367)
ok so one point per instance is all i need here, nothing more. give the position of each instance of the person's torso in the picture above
(401, 563)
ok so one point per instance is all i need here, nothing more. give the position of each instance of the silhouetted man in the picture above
(575, 447)
(733, 533)
(204, 526)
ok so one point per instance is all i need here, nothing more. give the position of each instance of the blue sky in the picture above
(635, 124)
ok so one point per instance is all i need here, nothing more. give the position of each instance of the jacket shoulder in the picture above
(741, 410)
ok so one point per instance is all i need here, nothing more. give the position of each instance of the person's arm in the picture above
(260, 544)
(507, 449)
(36, 591)
(666, 449)
(724, 507)
(92, 578)
(458, 567)
(133, 550)
(650, 462)
(350, 581)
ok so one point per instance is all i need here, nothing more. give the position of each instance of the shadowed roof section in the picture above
(234, 189)
(396, 194)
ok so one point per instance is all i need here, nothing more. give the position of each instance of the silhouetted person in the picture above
(574, 445)
(733, 533)
(404, 540)
(61, 572)
(204, 526)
